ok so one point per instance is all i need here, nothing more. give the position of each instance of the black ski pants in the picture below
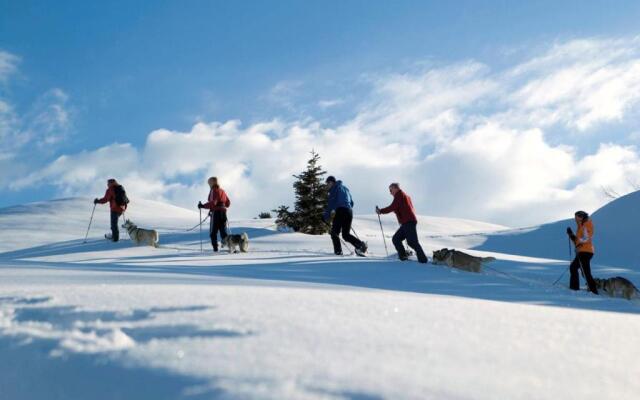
(115, 232)
(342, 223)
(408, 231)
(583, 259)
(217, 224)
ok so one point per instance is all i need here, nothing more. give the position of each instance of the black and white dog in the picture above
(237, 241)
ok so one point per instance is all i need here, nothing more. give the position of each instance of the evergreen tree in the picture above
(311, 199)
(285, 219)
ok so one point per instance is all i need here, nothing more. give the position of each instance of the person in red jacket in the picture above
(217, 205)
(117, 200)
(406, 214)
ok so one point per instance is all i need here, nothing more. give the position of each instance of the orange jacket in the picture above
(584, 237)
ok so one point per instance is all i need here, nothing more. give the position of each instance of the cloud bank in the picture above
(518, 145)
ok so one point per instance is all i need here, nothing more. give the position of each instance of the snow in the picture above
(289, 320)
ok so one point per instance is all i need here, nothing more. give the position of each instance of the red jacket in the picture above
(403, 207)
(218, 200)
(110, 196)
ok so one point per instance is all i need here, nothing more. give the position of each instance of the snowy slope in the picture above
(289, 320)
(616, 238)
(67, 219)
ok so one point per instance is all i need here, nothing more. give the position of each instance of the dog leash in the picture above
(197, 225)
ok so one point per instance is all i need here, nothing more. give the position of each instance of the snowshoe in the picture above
(362, 250)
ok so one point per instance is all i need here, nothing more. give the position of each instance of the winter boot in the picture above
(362, 250)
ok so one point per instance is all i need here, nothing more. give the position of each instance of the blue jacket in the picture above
(339, 196)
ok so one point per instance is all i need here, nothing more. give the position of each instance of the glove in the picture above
(96, 201)
(377, 210)
(200, 205)
(571, 234)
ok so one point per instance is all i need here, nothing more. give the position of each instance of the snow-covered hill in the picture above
(289, 320)
(617, 234)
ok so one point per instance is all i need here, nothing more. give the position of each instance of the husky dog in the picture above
(458, 259)
(618, 287)
(139, 235)
(233, 241)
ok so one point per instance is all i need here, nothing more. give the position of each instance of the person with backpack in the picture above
(217, 204)
(341, 205)
(116, 196)
(583, 240)
(406, 214)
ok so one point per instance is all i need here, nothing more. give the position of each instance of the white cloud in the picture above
(463, 139)
(8, 65)
(28, 138)
(324, 104)
(581, 83)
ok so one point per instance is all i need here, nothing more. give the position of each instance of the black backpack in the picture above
(121, 196)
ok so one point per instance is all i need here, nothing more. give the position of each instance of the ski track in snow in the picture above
(289, 320)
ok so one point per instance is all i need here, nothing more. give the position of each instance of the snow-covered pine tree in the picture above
(311, 198)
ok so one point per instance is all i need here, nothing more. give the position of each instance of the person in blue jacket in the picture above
(341, 204)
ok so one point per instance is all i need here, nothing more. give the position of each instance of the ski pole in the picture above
(569, 266)
(200, 229)
(383, 238)
(90, 221)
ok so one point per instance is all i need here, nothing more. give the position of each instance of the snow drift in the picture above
(616, 237)
(289, 320)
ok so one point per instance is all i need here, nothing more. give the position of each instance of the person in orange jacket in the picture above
(583, 240)
(217, 204)
(117, 199)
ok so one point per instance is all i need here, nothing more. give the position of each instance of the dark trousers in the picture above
(218, 224)
(583, 260)
(342, 223)
(115, 232)
(408, 231)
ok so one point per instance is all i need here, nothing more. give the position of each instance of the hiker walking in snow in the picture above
(341, 205)
(117, 198)
(406, 214)
(583, 240)
(217, 205)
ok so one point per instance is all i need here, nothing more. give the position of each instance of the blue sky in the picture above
(114, 72)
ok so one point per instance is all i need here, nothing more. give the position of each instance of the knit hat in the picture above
(331, 178)
(582, 214)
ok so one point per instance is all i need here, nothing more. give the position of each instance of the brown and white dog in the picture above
(457, 259)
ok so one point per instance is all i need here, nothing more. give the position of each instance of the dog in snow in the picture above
(236, 241)
(617, 287)
(141, 236)
(457, 259)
